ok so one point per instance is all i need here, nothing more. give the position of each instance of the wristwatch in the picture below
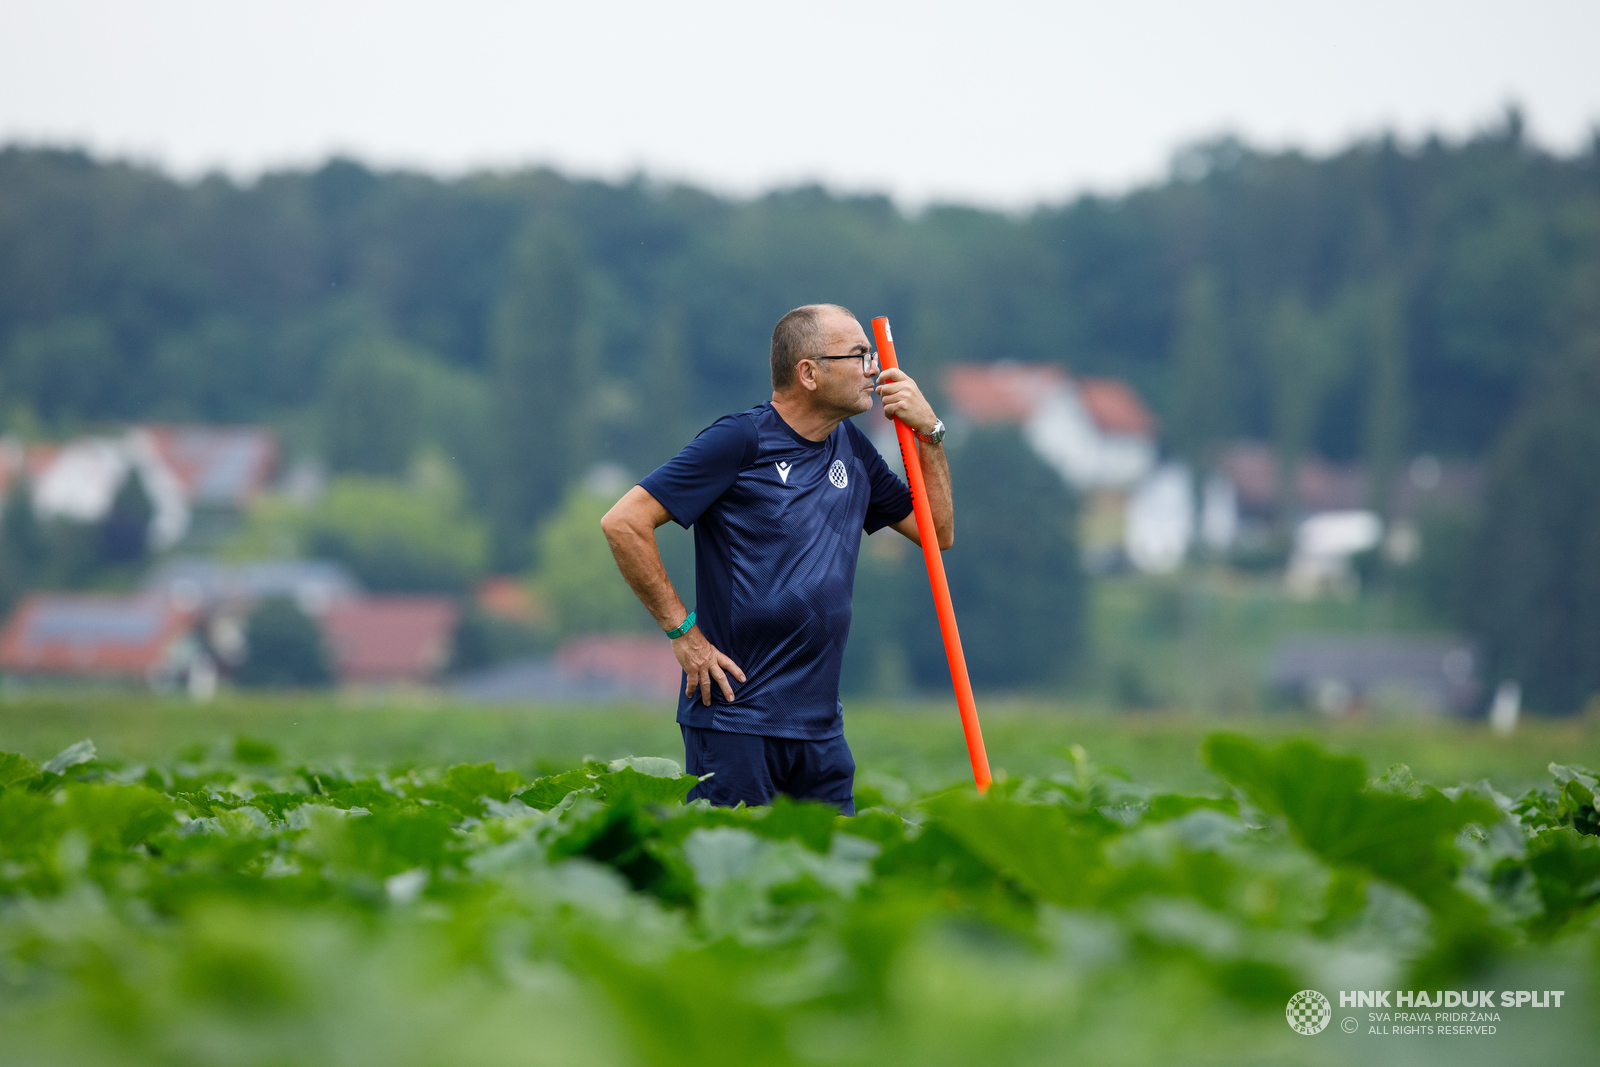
(931, 438)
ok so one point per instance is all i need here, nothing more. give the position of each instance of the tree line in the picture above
(1384, 300)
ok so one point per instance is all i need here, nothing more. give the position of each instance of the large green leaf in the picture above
(1566, 870)
(1037, 844)
(645, 788)
(545, 793)
(483, 780)
(16, 770)
(1324, 798)
(71, 756)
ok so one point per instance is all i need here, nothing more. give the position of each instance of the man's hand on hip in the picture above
(904, 401)
(704, 664)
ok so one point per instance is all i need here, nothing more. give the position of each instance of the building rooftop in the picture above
(585, 670)
(1013, 392)
(91, 634)
(1001, 392)
(1115, 407)
(1252, 467)
(314, 584)
(218, 466)
(390, 639)
(1440, 673)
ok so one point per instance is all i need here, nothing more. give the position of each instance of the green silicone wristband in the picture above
(683, 628)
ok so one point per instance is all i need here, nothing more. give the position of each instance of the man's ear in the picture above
(805, 373)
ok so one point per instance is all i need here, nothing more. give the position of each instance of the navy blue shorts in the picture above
(755, 769)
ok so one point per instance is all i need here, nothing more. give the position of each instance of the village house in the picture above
(198, 478)
(1333, 509)
(140, 640)
(389, 640)
(1094, 432)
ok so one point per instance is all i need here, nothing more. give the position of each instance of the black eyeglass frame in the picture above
(867, 360)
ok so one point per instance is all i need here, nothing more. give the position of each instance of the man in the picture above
(778, 497)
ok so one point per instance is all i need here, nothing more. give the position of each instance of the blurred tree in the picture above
(284, 648)
(665, 383)
(125, 531)
(372, 408)
(577, 579)
(1303, 357)
(20, 536)
(49, 554)
(1535, 568)
(457, 421)
(68, 369)
(273, 528)
(541, 375)
(413, 536)
(1383, 336)
(217, 371)
(482, 640)
(1439, 584)
(23, 551)
(887, 591)
(1201, 418)
(384, 400)
(125, 293)
(1015, 575)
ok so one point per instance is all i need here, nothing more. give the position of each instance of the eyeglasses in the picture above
(868, 360)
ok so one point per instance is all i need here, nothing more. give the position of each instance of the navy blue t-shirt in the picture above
(777, 527)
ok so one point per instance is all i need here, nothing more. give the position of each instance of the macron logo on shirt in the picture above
(783, 472)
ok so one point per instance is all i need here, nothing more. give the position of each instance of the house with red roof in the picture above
(139, 639)
(1095, 432)
(218, 466)
(198, 478)
(389, 640)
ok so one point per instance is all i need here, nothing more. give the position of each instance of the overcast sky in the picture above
(997, 103)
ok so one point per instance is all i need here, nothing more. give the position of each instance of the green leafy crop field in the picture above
(287, 882)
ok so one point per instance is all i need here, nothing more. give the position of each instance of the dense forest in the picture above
(1386, 300)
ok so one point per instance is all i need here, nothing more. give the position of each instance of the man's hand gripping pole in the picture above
(936, 579)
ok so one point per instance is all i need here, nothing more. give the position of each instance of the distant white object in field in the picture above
(1323, 545)
(1219, 514)
(1506, 708)
(1160, 520)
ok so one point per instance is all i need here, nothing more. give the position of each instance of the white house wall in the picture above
(82, 481)
(1062, 432)
(171, 520)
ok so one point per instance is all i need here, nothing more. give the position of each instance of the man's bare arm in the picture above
(903, 400)
(936, 477)
(630, 529)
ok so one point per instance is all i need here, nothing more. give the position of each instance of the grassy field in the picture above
(920, 743)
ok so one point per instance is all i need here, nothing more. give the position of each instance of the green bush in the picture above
(284, 648)
(399, 536)
(577, 577)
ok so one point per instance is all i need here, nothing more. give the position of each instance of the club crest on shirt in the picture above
(783, 471)
(836, 474)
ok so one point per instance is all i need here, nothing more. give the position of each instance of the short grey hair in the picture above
(798, 336)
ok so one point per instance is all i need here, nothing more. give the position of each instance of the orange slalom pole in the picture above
(936, 579)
